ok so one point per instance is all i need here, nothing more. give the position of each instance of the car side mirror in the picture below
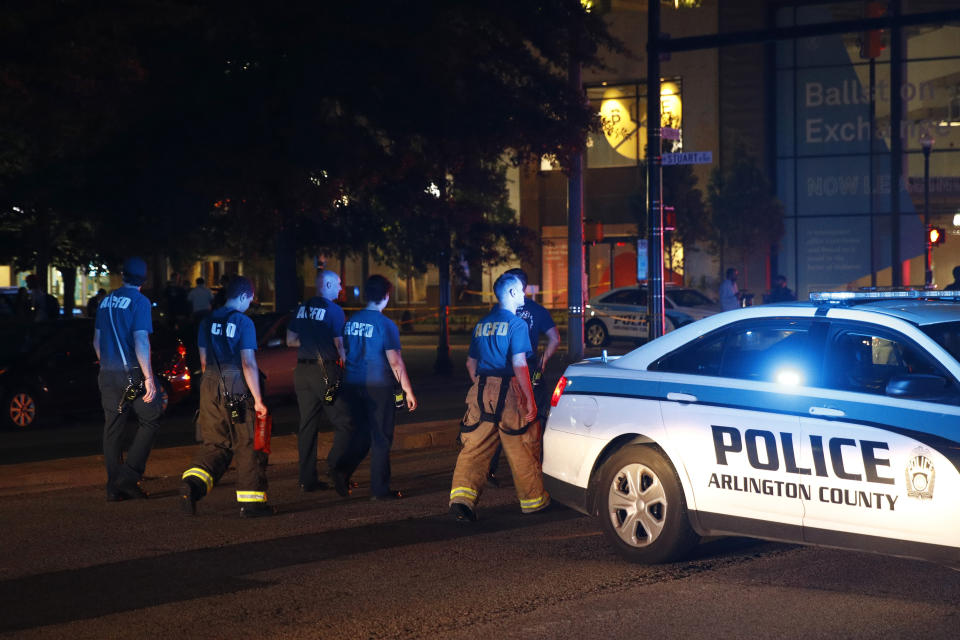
(274, 343)
(916, 385)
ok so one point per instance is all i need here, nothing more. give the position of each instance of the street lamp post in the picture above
(926, 142)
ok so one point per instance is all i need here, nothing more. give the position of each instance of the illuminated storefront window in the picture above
(622, 140)
(834, 141)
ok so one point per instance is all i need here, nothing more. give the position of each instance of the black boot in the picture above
(190, 492)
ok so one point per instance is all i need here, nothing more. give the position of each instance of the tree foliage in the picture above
(180, 127)
(746, 214)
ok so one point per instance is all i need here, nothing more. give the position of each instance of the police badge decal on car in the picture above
(920, 474)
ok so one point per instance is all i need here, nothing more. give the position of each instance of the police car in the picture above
(832, 422)
(621, 313)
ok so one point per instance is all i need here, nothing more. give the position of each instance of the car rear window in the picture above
(689, 298)
(947, 335)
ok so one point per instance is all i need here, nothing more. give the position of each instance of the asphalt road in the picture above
(73, 566)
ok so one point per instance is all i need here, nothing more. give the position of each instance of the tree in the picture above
(243, 126)
(746, 214)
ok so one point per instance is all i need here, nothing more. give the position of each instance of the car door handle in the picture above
(677, 396)
(827, 411)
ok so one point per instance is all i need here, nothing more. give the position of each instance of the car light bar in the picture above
(904, 294)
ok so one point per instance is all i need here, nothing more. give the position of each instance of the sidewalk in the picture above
(66, 473)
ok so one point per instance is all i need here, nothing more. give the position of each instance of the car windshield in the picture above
(947, 335)
(688, 298)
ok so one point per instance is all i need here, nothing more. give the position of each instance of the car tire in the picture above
(642, 508)
(20, 410)
(595, 334)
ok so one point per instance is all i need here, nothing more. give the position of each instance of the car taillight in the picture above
(182, 350)
(558, 391)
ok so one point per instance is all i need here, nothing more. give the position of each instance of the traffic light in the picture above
(872, 42)
(935, 236)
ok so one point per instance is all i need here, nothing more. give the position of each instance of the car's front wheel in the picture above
(20, 410)
(642, 509)
(596, 334)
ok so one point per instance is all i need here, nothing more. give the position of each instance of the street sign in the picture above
(642, 269)
(688, 157)
(669, 133)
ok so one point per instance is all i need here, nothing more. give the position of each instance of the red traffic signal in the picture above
(935, 236)
(872, 42)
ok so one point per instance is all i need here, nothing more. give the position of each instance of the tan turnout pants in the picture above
(480, 435)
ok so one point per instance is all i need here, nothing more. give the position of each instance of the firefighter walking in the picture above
(317, 332)
(230, 402)
(500, 408)
(121, 339)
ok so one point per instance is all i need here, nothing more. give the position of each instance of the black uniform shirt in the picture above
(317, 323)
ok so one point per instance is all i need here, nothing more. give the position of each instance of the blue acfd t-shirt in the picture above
(224, 334)
(496, 338)
(366, 338)
(317, 322)
(130, 311)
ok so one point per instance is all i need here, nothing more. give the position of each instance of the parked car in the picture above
(833, 422)
(51, 368)
(622, 313)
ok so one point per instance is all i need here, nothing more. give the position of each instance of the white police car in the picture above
(621, 313)
(834, 422)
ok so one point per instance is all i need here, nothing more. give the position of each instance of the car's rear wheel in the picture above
(21, 410)
(643, 512)
(596, 334)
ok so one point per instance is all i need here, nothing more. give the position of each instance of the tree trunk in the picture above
(443, 363)
(285, 269)
(69, 290)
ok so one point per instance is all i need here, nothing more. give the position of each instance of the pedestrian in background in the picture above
(780, 292)
(372, 371)
(729, 293)
(43, 306)
(220, 298)
(317, 332)
(500, 408)
(121, 338)
(539, 323)
(230, 403)
(201, 300)
(94, 303)
(22, 310)
(955, 285)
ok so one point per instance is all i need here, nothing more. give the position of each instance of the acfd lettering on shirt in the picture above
(117, 302)
(314, 313)
(491, 328)
(361, 329)
(217, 328)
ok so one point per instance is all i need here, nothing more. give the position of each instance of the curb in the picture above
(88, 471)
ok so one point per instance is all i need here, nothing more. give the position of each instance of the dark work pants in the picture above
(373, 413)
(122, 472)
(311, 386)
(225, 441)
